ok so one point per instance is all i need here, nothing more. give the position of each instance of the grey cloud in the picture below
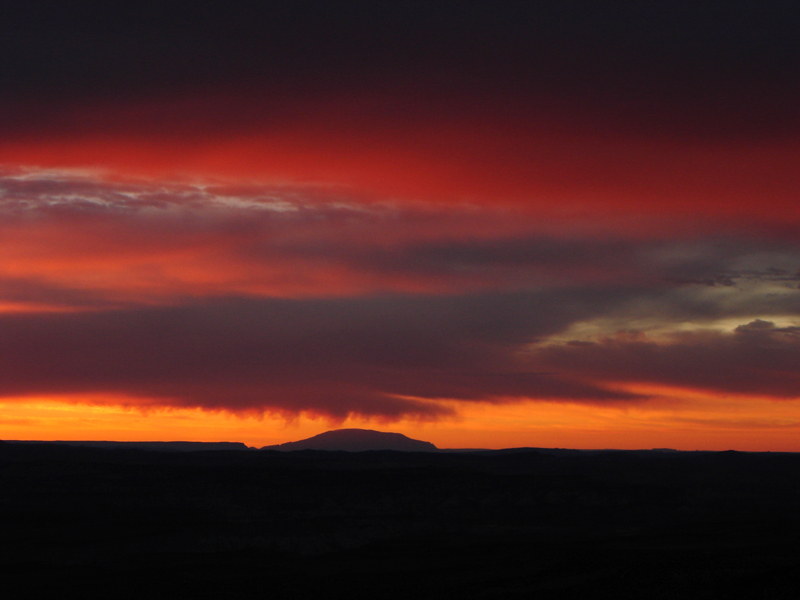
(757, 358)
(332, 356)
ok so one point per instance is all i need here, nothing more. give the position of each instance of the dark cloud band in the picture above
(401, 305)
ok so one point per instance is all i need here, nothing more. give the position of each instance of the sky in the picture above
(567, 224)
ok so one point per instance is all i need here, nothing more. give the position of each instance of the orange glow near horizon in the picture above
(683, 420)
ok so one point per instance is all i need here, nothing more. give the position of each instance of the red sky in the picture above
(573, 228)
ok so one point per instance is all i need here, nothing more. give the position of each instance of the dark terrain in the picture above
(138, 523)
(356, 440)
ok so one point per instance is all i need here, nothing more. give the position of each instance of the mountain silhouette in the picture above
(356, 440)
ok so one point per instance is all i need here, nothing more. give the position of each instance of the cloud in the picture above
(246, 297)
(389, 356)
(665, 111)
(110, 243)
(372, 356)
(756, 358)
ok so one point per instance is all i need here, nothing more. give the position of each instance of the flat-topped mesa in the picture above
(356, 440)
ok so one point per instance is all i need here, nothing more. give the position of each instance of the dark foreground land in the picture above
(529, 524)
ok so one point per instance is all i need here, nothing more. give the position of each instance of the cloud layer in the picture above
(664, 108)
(287, 299)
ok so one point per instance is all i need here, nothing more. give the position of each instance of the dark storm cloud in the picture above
(379, 356)
(331, 356)
(681, 261)
(757, 359)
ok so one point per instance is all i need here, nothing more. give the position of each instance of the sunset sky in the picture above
(568, 224)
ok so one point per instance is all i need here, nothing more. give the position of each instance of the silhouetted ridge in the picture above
(357, 440)
(154, 446)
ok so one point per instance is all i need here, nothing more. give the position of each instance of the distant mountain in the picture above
(357, 440)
